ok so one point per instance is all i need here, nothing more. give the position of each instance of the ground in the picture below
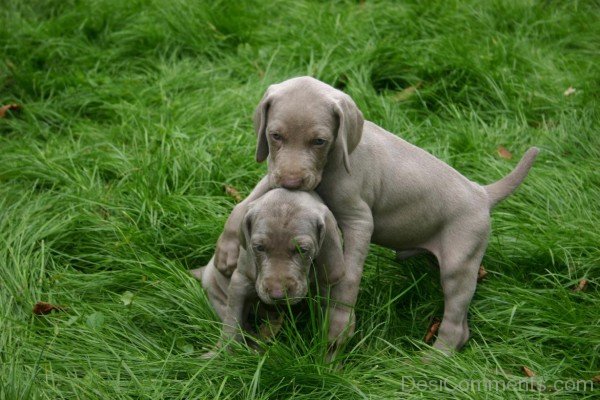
(131, 117)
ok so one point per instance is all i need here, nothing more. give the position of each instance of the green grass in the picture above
(134, 115)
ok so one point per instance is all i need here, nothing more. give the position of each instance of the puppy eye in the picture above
(302, 250)
(276, 136)
(259, 248)
(319, 142)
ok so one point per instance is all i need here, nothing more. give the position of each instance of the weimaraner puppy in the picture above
(281, 234)
(381, 189)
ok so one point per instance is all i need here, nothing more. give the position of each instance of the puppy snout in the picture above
(278, 291)
(291, 182)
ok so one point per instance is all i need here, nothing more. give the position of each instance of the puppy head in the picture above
(300, 124)
(284, 232)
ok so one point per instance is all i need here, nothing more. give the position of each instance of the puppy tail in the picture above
(197, 273)
(503, 188)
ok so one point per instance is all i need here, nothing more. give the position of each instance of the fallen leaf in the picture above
(187, 348)
(233, 192)
(432, 331)
(596, 379)
(504, 153)
(581, 286)
(43, 308)
(570, 90)
(407, 92)
(481, 274)
(270, 329)
(528, 372)
(11, 107)
(127, 298)
(95, 320)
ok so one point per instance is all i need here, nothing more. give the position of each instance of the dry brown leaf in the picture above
(528, 372)
(481, 274)
(11, 107)
(581, 286)
(432, 331)
(407, 92)
(233, 193)
(570, 90)
(596, 379)
(504, 153)
(43, 308)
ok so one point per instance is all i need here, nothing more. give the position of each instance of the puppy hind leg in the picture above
(458, 273)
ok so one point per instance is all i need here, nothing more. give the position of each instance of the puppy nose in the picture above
(291, 183)
(276, 292)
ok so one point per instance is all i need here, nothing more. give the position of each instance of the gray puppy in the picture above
(281, 234)
(380, 188)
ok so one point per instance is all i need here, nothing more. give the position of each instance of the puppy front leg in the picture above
(357, 230)
(240, 290)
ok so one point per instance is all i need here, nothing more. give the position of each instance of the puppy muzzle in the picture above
(275, 293)
(306, 182)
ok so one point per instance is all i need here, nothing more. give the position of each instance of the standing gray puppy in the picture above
(281, 235)
(381, 189)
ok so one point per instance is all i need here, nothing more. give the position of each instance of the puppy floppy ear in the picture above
(245, 231)
(330, 258)
(350, 127)
(247, 265)
(260, 124)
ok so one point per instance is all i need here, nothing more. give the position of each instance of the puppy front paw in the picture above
(226, 253)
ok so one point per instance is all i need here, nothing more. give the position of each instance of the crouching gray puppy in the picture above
(281, 235)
